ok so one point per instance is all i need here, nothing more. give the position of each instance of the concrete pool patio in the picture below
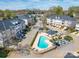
(36, 42)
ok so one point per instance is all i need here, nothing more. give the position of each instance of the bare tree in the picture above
(44, 22)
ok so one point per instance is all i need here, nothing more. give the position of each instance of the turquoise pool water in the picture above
(42, 43)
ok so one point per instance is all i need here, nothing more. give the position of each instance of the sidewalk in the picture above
(29, 37)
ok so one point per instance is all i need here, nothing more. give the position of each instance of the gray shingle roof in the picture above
(24, 17)
(64, 17)
(8, 24)
(51, 32)
(70, 55)
(1, 26)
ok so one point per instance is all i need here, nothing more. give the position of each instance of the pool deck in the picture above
(35, 45)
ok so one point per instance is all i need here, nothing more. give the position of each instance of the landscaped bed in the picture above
(33, 39)
(68, 38)
(59, 42)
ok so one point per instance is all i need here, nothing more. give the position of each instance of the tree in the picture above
(9, 14)
(70, 12)
(6, 14)
(1, 13)
(44, 22)
(4, 52)
(58, 10)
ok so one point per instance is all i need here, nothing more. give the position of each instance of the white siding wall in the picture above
(59, 21)
(55, 21)
(1, 44)
(1, 40)
(77, 27)
(48, 21)
(66, 23)
(26, 21)
(70, 23)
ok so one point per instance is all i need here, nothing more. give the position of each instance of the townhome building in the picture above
(29, 19)
(64, 20)
(10, 29)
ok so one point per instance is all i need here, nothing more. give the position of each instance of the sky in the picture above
(37, 4)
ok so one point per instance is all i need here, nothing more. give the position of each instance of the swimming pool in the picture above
(42, 43)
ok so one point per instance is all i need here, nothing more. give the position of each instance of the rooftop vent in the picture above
(57, 17)
(14, 22)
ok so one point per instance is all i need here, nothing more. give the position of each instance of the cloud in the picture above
(36, 0)
(42, 4)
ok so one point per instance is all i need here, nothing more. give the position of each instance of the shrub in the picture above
(59, 37)
(33, 39)
(3, 53)
(68, 38)
(54, 40)
(71, 30)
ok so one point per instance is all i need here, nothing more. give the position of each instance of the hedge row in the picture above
(33, 39)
